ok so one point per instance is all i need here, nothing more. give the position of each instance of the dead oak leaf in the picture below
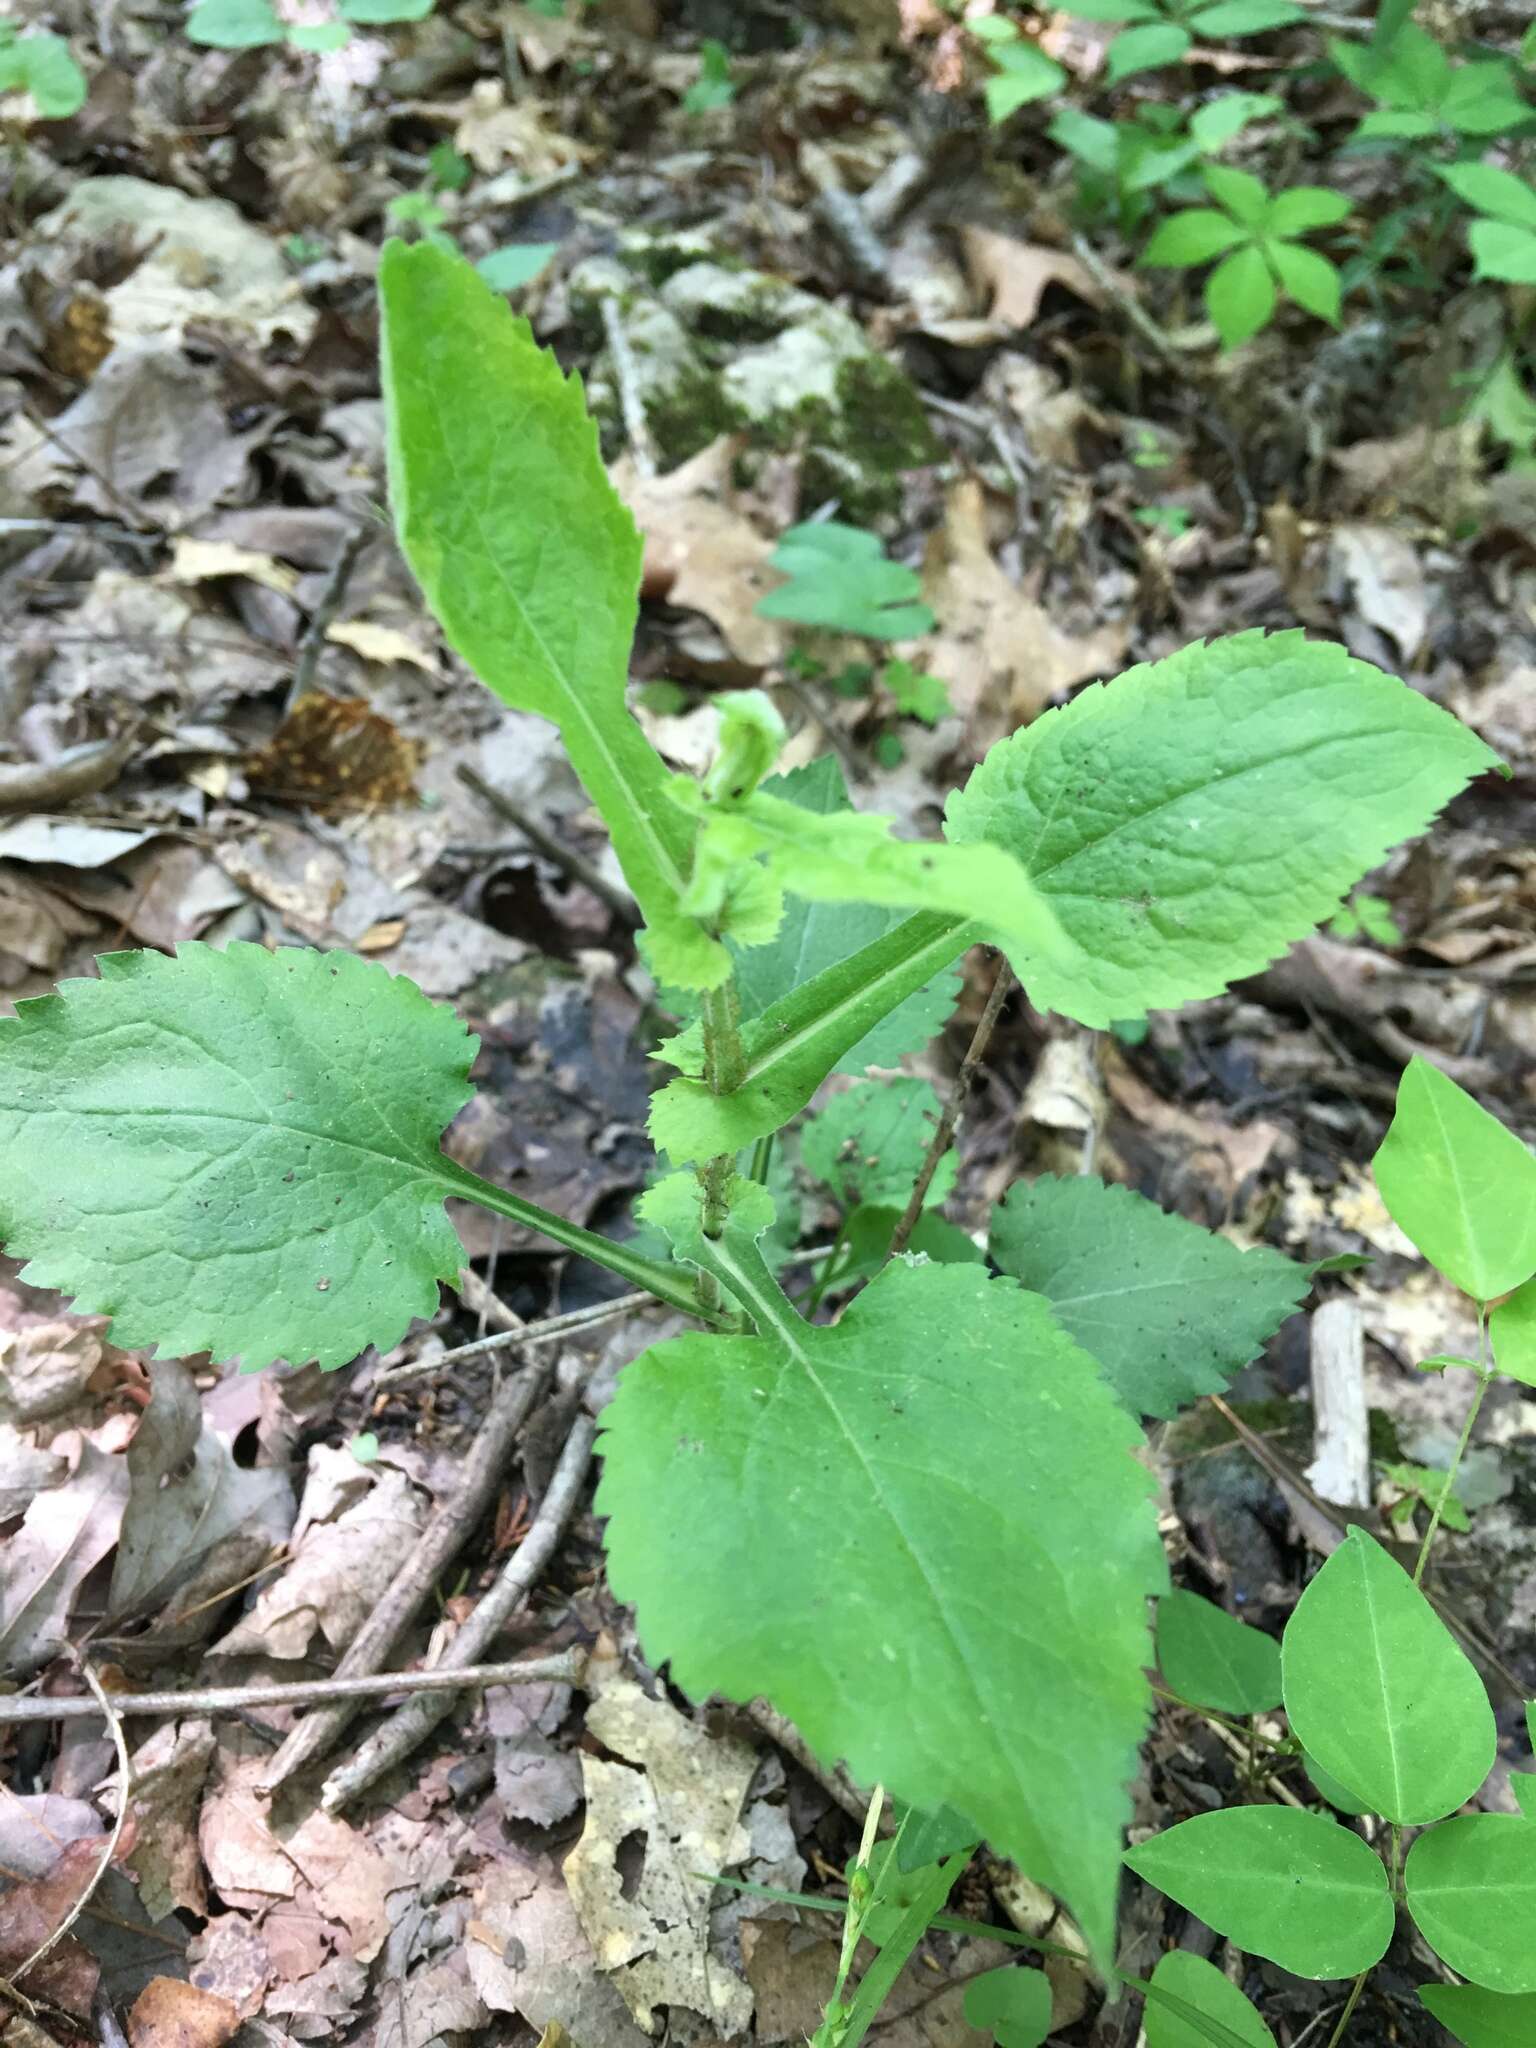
(1016, 275)
(1002, 654)
(492, 134)
(170, 2014)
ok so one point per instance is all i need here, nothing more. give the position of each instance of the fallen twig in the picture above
(976, 1052)
(626, 375)
(574, 864)
(449, 1529)
(513, 1340)
(564, 1668)
(392, 1743)
(327, 605)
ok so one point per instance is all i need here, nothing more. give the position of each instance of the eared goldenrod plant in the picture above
(921, 1531)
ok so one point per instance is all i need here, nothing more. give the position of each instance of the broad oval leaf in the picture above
(1145, 49)
(1482, 2019)
(1380, 1692)
(1240, 296)
(1212, 1659)
(1312, 281)
(1459, 1184)
(1184, 1980)
(236, 1151)
(1502, 252)
(1282, 1883)
(870, 1524)
(1487, 189)
(1169, 1310)
(528, 556)
(1471, 1886)
(1189, 820)
(1012, 2004)
(1193, 236)
(1512, 1332)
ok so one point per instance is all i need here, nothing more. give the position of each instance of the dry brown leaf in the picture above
(168, 1775)
(197, 561)
(67, 1532)
(230, 1957)
(170, 2014)
(29, 1914)
(1016, 274)
(1381, 572)
(383, 644)
(491, 133)
(701, 554)
(1002, 655)
(527, 1953)
(337, 753)
(652, 1936)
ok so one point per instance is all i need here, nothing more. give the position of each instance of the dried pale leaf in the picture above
(198, 561)
(171, 2014)
(45, 1367)
(701, 553)
(528, 1954)
(188, 1501)
(321, 2004)
(652, 1937)
(492, 134)
(33, 1825)
(1003, 656)
(169, 1771)
(340, 1571)
(1382, 573)
(383, 644)
(337, 753)
(432, 2004)
(1016, 275)
(66, 1533)
(230, 1956)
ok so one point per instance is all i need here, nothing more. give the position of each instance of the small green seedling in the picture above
(865, 1521)
(1421, 94)
(1021, 71)
(252, 24)
(1421, 1486)
(41, 64)
(1366, 916)
(714, 87)
(841, 580)
(504, 270)
(1160, 32)
(1122, 163)
(1503, 238)
(1257, 235)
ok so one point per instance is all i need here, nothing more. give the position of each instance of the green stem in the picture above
(828, 1266)
(725, 1069)
(671, 1284)
(1484, 1381)
(1348, 2013)
(1397, 1862)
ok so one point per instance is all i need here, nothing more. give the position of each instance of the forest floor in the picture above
(800, 271)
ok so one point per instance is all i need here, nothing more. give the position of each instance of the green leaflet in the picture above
(797, 1041)
(1482, 2019)
(1189, 820)
(1512, 1331)
(869, 1143)
(1379, 1691)
(865, 1523)
(1211, 1659)
(1471, 1886)
(528, 556)
(1194, 1982)
(1011, 2004)
(238, 1152)
(1280, 1882)
(1459, 1184)
(850, 857)
(1169, 1310)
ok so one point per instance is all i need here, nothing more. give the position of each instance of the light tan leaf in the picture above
(383, 644)
(67, 1531)
(197, 561)
(684, 1802)
(1002, 654)
(168, 1774)
(171, 2014)
(491, 133)
(1016, 274)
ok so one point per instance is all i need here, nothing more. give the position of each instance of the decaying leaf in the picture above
(171, 2014)
(343, 1561)
(528, 1953)
(1017, 273)
(30, 1913)
(192, 1512)
(1002, 654)
(337, 753)
(684, 1803)
(383, 644)
(66, 1532)
(168, 1774)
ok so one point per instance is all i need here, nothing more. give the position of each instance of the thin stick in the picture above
(451, 1525)
(327, 605)
(125, 1786)
(975, 1054)
(1135, 312)
(415, 1721)
(514, 1340)
(562, 1669)
(626, 375)
(580, 869)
